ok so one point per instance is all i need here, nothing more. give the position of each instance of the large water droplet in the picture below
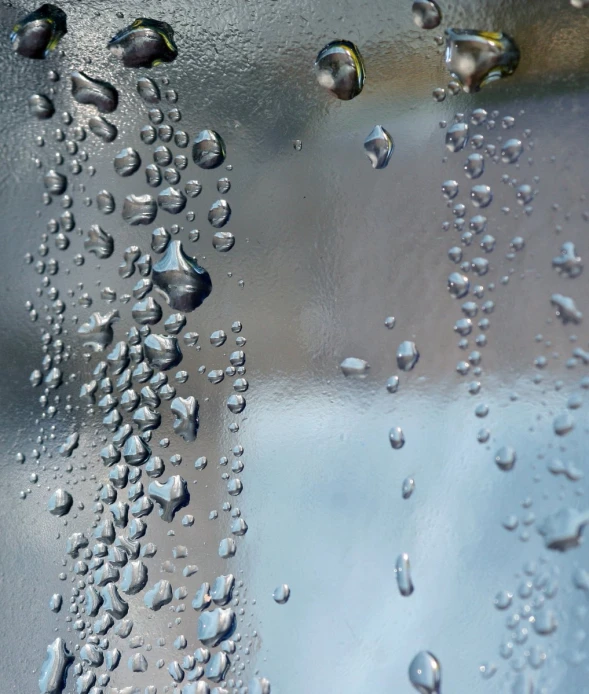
(39, 32)
(171, 200)
(566, 309)
(426, 14)
(403, 575)
(511, 151)
(458, 285)
(407, 355)
(87, 90)
(97, 330)
(352, 366)
(568, 263)
(139, 209)
(41, 106)
(184, 283)
(425, 673)
(99, 242)
(378, 147)
(457, 137)
(208, 150)
(100, 127)
(215, 626)
(145, 43)
(148, 90)
(171, 496)
(60, 502)
(339, 67)
(186, 413)
(396, 438)
(162, 351)
(127, 161)
(562, 530)
(476, 58)
(54, 669)
(223, 241)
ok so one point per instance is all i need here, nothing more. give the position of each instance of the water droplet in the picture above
(148, 90)
(450, 189)
(145, 43)
(568, 263)
(352, 366)
(403, 575)
(162, 352)
(219, 213)
(236, 403)
(281, 594)
(105, 202)
(55, 182)
(439, 94)
(426, 14)
(215, 626)
(171, 496)
(457, 137)
(87, 90)
(396, 438)
(475, 165)
(139, 209)
(41, 106)
(379, 147)
(481, 195)
(425, 673)
(511, 151)
(54, 669)
(127, 161)
(407, 355)
(158, 596)
(37, 34)
(193, 189)
(476, 58)
(60, 503)
(184, 283)
(408, 487)
(562, 529)
(208, 150)
(100, 127)
(97, 330)
(223, 241)
(505, 458)
(171, 200)
(186, 412)
(566, 309)
(563, 424)
(147, 312)
(339, 67)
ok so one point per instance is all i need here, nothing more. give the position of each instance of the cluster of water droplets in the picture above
(133, 381)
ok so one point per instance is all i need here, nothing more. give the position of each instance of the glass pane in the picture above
(278, 413)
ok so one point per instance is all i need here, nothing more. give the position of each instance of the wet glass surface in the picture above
(364, 384)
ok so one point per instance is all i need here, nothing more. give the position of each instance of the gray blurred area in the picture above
(326, 248)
